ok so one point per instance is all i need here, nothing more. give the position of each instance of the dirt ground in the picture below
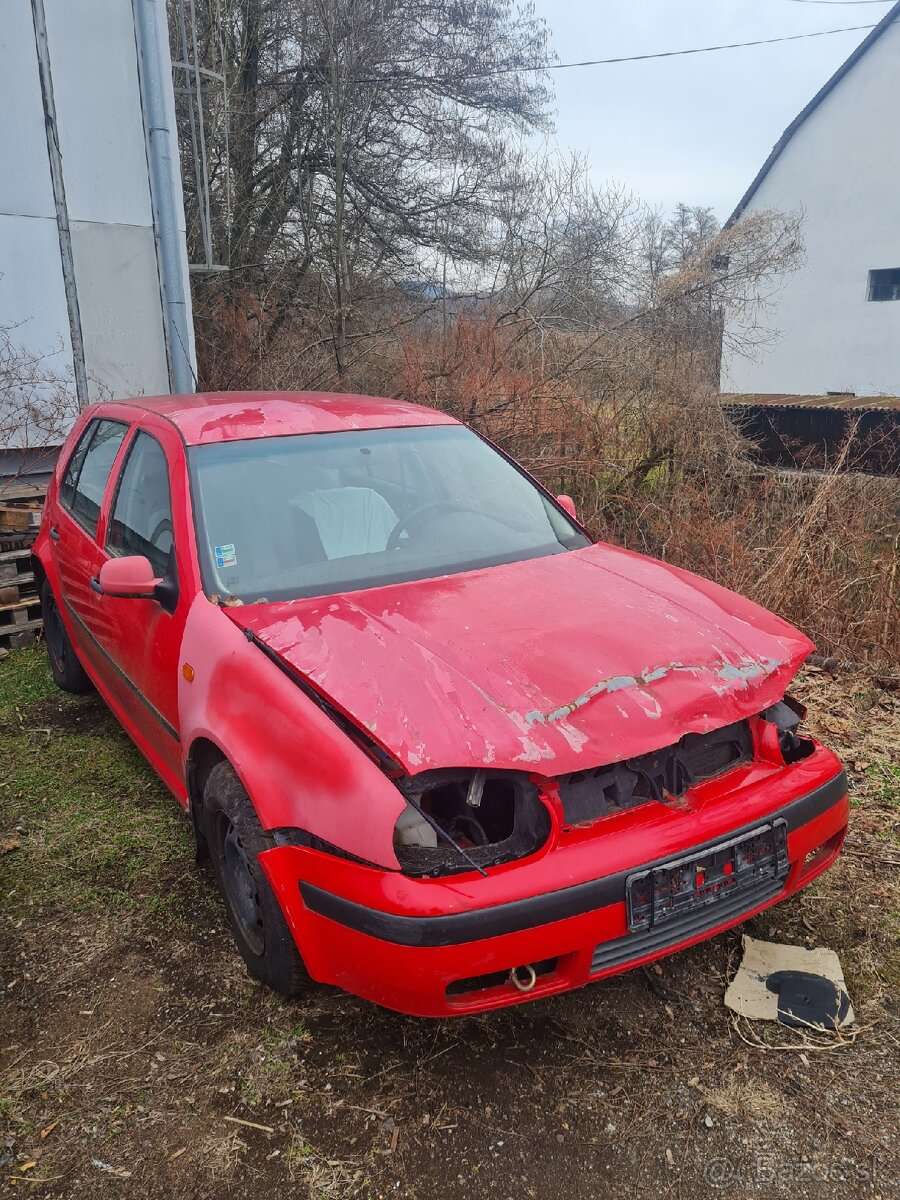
(138, 1059)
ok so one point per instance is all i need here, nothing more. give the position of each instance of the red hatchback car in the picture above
(443, 750)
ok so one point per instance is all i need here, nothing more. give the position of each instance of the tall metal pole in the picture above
(158, 99)
(59, 199)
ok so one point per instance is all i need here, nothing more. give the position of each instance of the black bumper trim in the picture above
(455, 929)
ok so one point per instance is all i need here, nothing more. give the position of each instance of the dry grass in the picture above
(633, 433)
(745, 1100)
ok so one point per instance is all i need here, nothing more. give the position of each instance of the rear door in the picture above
(74, 535)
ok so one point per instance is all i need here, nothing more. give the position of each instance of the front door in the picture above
(142, 637)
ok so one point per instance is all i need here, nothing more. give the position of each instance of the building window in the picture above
(884, 285)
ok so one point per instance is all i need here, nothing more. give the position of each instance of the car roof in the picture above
(234, 416)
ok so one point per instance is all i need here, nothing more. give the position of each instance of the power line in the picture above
(605, 62)
(845, 3)
(602, 62)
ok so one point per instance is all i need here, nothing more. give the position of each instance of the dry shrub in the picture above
(822, 551)
(627, 421)
(37, 407)
(229, 325)
(641, 443)
(261, 340)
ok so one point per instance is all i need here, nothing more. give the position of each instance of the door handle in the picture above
(54, 533)
(95, 585)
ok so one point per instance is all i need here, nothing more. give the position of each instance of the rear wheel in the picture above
(235, 839)
(68, 673)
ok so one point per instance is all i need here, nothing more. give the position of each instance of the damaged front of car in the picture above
(595, 761)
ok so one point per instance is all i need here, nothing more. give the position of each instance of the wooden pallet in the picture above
(19, 623)
(16, 576)
(20, 518)
(21, 506)
(20, 609)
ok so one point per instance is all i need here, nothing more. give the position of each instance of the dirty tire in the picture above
(235, 838)
(68, 673)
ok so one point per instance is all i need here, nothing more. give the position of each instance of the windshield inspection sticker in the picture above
(225, 556)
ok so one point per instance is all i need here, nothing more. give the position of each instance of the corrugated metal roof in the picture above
(832, 83)
(848, 402)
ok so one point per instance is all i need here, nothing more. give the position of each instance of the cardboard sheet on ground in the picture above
(790, 984)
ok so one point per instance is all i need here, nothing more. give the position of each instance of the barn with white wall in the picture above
(93, 266)
(834, 324)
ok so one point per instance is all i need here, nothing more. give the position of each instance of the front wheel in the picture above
(235, 839)
(68, 673)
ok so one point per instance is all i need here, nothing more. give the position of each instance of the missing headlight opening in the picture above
(457, 820)
(509, 821)
(787, 715)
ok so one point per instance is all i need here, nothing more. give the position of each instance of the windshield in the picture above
(285, 517)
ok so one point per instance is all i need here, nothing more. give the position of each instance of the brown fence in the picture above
(813, 438)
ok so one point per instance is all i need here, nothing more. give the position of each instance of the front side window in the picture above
(279, 518)
(141, 521)
(88, 470)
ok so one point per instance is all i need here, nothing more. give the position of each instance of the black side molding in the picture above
(129, 683)
(457, 928)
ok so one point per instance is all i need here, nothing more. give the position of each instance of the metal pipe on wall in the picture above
(155, 71)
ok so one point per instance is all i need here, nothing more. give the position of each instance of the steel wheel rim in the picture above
(240, 887)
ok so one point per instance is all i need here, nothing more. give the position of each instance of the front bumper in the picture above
(403, 943)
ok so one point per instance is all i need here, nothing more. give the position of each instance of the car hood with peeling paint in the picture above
(551, 665)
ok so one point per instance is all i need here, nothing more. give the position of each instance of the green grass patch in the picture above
(884, 780)
(85, 820)
(25, 677)
(883, 786)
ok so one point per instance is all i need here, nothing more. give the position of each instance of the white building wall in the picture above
(32, 296)
(102, 140)
(841, 170)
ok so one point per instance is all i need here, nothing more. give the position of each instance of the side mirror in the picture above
(568, 504)
(127, 578)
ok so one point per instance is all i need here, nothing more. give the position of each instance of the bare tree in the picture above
(37, 407)
(562, 247)
(356, 126)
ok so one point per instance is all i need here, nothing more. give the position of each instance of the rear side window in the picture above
(88, 471)
(67, 491)
(142, 512)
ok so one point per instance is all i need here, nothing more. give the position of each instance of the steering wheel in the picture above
(163, 526)
(434, 508)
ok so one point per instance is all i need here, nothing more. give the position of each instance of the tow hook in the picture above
(526, 984)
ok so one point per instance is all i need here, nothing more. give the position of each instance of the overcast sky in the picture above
(695, 129)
